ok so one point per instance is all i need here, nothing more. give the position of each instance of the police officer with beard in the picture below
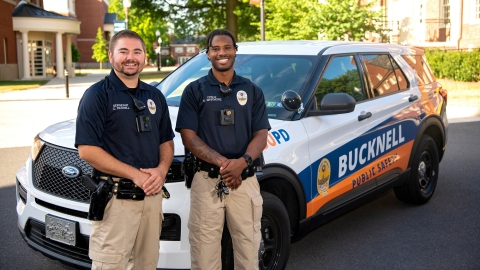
(124, 131)
(223, 121)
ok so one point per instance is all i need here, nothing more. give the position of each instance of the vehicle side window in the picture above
(384, 74)
(340, 76)
(420, 65)
(401, 79)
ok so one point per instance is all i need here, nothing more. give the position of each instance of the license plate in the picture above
(61, 230)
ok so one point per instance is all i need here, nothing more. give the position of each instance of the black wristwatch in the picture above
(248, 159)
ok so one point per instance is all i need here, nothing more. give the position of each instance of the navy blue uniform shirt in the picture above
(200, 107)
(106, 118)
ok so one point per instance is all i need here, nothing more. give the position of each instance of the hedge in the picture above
(458, 66)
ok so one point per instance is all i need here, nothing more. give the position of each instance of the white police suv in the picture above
(349, 120)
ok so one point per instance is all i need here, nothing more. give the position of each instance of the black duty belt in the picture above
(214, 171)
(126, 189)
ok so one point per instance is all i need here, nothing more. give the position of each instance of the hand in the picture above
(153, 185)
(231, 172)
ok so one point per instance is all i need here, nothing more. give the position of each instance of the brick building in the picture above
(36, 37)
(449, 24)
(8, 48)
(93, 14)
(33, 40)
(181, 49)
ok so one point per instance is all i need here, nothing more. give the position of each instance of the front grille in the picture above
(35, 232)
(48, 175)
(61, 209)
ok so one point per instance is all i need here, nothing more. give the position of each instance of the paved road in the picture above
(388, 234)
(382, 234)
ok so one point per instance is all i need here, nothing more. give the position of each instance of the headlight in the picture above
(36, 147)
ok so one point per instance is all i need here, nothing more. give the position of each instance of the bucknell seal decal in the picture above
(151, 106)
(323, 178)
(242, 97)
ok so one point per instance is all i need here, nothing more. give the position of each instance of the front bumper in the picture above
(33, 205)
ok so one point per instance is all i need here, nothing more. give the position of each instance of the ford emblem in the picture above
(71, 171)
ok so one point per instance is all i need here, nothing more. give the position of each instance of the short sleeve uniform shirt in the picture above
(107, 118)
(201, 105)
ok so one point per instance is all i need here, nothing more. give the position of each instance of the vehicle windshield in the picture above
(274, 74)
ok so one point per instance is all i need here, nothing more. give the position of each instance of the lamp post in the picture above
(126, 5)
(262, 20)
(159, 51)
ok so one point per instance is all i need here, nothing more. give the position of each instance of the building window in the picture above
(192, 49)
(178, 49)
(446, 9)
(477, 10)
(183, 59)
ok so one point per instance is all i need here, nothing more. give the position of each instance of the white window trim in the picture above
(476, 10)
(443, 9)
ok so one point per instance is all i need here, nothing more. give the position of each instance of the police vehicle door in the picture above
(345, 148)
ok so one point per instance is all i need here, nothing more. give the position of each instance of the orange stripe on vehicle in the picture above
(395, 159)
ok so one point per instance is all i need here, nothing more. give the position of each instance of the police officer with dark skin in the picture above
(108, 138)
(227, 147)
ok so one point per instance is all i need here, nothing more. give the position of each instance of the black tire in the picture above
(422, 181)
(275, 245)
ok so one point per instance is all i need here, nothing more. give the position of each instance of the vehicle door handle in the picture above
(364, 116)
(412, 98)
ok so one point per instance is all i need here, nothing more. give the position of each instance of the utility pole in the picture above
(262, 19)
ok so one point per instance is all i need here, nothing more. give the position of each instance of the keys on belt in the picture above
(221, 189)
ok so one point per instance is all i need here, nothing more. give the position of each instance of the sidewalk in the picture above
(55, 89)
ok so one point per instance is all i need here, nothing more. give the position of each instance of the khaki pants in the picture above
(128, 236)
(242, 209)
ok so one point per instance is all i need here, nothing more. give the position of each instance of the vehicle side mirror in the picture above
(334, 103)
(291, 100)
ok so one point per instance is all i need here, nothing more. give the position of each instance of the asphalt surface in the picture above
(382, 234)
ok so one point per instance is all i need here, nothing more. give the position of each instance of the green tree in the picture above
(75, 53)
(145, 19)
(100, 48)
(308, 19)
(295, 20)
(198, 17)
(116, 6)
(339, 18)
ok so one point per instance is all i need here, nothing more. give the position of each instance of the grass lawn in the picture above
(465, 94)
(7, 86)
(153, 75)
